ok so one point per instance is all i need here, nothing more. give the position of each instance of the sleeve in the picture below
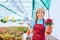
(32, 24)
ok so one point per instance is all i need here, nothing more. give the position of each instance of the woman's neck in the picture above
(40, 18)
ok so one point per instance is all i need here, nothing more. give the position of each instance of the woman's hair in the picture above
(36, 14)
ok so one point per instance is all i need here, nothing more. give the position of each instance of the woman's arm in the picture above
(30, 30)
(32, 26)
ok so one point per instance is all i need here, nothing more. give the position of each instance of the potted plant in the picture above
(49, 24)
(1, 36)
(6, 37)
(12, 38)
(13, 19)
(25, 29)
(3, 21)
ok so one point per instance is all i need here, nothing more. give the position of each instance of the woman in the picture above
(39, 26)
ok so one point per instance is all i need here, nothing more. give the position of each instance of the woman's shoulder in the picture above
(33, 22)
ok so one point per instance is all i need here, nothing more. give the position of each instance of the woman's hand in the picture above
(32, 31)
(48, 30)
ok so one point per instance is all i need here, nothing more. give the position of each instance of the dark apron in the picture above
(39, 32)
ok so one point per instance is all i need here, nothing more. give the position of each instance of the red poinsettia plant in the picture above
(49, 22)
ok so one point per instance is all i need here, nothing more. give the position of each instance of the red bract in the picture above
(49, 21)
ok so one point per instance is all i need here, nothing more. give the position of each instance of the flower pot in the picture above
(48, 29)
(28, 31)
(12, 38)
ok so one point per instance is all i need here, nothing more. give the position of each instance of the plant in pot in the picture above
(3, 20)
(49, 24)
(12, 38)
(6, 19)
(1, 36)
(6, 37)
(19, 33)
(25, 29)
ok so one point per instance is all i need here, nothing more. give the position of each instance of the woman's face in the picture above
(40, 14)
